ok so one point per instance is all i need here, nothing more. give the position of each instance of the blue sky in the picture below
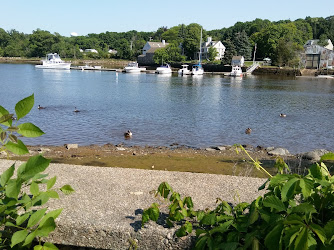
(84, 17)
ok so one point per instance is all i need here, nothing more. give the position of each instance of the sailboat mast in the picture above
(200, 48)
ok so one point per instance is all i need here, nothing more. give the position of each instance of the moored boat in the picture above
(132, 67)
(164, 69)
(197, 69)
(53, 61)
(184, 70)
(236, 71)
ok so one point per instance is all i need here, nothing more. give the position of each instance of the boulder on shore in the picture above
(279, 151)
(314, 155)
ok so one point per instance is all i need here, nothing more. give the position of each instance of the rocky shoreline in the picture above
(213, 160)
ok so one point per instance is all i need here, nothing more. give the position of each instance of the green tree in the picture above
(243, 45)
(191, 40)
(212, 53)
(123, 50)
(229, 52)
(40, 43)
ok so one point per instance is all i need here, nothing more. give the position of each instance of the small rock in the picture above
(210, 149)
(270, 149)
(152, 167)
(221, 148)
(120, 149)
(137, 193)
(165, 241)
(169, 236)
(69, 146)
(279, 151)
(315, 155)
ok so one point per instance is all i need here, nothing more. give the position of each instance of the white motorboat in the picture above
(53, 61)
(184, 70)
(90, 67)
(132, 67)
(197, 69)
(236, 71)
(164, 69)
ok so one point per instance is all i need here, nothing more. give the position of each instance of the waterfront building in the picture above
(218, 45)
(148, 52)
(316, 56)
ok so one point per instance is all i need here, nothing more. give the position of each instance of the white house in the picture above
(213, 44)
(238, 61)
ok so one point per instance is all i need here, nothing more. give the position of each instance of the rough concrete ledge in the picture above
(105, 211)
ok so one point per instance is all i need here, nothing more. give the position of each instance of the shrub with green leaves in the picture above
(24, 218)
(296, 212)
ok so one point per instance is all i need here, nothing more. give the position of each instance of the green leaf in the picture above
(201, 242)
(29, 238)
(51, 183)
(17, 148)
(18, 237)
(278, 179)
(329, 229)
(22, 218)
(209, 219)
(229, 245)
(274, 202)
(13, 188)
(29, 130)
(327, 157)
(36, 164)
(49, 246)
(184, 229)
(48, 226)
(5, 119)
(52, 194)
(153, 212)
(272, 240)
(52, 214)
(67, 189)
(36, 217)
(304, 208)
(319, 231)
(301, 240)
(222, 228)
(189, 202)
(306, 185)
(34, 188)
(164, 189)
(38, 247)
(23, 107)
(3, 135)
(288, 189)
(7, 175)
(4, 112)
(13, 138)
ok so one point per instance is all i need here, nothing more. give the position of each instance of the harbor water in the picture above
(161, 110)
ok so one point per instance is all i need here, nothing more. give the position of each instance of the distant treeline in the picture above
(281, 41)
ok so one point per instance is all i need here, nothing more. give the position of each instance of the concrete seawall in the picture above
(106, 209)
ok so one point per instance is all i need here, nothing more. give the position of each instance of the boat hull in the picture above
(132, 70)
(163, 71)
(54, 66)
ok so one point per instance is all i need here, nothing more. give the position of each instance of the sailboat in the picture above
(197, 69)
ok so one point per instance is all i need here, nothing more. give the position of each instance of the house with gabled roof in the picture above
(317, 56)
(148, 52)
(218, 45)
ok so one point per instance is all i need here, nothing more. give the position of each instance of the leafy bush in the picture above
(296, 212)
(22, 219)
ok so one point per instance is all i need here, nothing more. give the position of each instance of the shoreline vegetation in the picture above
(213, 160)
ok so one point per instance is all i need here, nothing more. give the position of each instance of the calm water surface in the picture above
(160, 110)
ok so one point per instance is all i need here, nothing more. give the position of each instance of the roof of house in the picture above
(237, 57)
(156, 45)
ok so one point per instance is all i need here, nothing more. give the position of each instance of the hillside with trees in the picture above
(282, 41)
